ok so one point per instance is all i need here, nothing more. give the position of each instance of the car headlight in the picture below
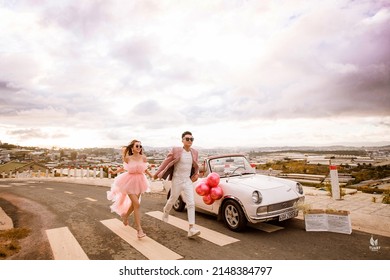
(299, 188)
(257, 197)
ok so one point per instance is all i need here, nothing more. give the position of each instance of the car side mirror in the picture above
(202, 171)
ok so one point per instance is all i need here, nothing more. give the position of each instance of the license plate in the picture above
(288, 215)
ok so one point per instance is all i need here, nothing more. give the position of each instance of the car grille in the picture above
(282, 205)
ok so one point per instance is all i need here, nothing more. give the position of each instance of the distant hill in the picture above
(231, 149)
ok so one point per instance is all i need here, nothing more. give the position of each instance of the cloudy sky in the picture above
(79, 73)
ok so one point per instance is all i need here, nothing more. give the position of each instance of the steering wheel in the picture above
(234, 171)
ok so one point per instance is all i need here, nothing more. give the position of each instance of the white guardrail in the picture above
(61, 172)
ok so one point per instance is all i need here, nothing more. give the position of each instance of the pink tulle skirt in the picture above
(123, 185)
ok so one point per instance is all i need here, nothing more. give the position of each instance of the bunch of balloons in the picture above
(209, 189)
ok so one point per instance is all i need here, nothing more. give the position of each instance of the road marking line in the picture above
(68, 192)
(266, 227)
(146, 246)
(64, 245)
(205, 233)
(90, 199)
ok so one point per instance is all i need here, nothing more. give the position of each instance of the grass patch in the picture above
(372, 190)
(328, 188)
(10, 241)
(386, 197)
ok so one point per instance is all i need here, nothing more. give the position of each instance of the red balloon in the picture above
(208, 200)
(216, 193)
(202, 189)
(213, 179)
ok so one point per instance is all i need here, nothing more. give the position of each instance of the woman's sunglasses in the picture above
(138, 146)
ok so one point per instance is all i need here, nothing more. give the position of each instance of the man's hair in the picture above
(185, 133)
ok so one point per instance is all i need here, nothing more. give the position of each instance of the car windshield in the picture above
(231, 166)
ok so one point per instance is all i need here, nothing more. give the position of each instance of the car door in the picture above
(203, 172)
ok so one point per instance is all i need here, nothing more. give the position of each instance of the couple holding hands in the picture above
(180, 166)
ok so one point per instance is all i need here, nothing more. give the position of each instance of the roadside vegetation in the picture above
(291, 166)
(10, 241)
(362, 173)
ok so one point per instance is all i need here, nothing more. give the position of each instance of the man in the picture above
(181, 166)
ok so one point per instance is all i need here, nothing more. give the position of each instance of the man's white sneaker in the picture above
(192, 232)
(165, 217)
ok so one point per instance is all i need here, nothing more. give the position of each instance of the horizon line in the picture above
(350, 145)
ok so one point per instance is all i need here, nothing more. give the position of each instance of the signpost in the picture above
(334, 180)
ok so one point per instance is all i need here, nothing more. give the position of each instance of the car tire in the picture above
(179, 204)
(233, 216)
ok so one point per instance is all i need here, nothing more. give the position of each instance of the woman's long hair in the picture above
(129, 149)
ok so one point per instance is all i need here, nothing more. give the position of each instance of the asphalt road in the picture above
(81, 208)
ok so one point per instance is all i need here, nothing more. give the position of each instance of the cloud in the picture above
(135, 54)
(29, 133)
(147, 108)
(153, 67)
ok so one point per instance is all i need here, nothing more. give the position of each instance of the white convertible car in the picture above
(247, 196)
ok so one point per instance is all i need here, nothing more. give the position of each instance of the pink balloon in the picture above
(216, 193)
(208, 200)
(202, 189)
(213, 179)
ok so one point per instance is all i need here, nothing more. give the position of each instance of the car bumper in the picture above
(280, 214)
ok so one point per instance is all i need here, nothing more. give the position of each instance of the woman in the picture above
(127, 187)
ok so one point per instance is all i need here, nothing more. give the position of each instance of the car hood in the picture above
(262, 183)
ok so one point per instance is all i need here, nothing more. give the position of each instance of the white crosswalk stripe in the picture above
(146, 246)
(208, 234)
(64, 245)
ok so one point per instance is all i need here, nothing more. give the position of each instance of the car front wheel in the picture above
(233, 216)
(179, 204)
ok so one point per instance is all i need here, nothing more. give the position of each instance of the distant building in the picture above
(13, 167)
(4, 156)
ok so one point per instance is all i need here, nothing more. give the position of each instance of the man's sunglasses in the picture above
(189, 139)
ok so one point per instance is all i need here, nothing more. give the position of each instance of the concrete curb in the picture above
(5, 221)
